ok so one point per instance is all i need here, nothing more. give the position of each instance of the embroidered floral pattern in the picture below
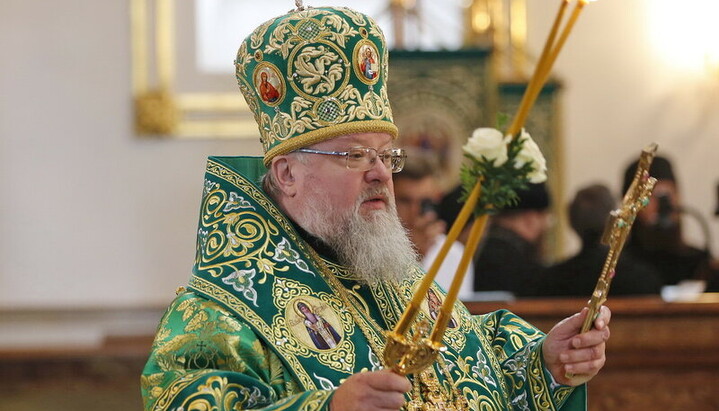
(483, 370)
(285, 252)
(241, 281)
(318, 69)
(320, 53)
(236, 202)
(325, 383)
(209, 186)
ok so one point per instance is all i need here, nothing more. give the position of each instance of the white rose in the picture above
(487, 142)
(530, 153)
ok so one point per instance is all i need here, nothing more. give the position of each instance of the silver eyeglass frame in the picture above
(397, 157)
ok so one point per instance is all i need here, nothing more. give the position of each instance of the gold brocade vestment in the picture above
(240, 336)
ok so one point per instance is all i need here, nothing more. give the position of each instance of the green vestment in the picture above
(268, 323)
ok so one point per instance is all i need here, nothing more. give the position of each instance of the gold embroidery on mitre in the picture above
(330, 71)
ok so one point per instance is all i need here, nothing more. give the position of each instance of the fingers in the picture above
(605, 315)
(585, 368)
(386, 389)
(587, 351)
(579, 365)
(386, 401)
(369, 391)
(575, 358)
(570, 326)
(590, 338)
(575, 322)
(578, 319)
(386, 380)
(588, 354)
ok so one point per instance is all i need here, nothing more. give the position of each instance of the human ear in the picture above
(282, 170)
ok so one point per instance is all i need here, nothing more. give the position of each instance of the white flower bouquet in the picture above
(503, 164)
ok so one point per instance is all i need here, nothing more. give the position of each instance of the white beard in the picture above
(376, 248)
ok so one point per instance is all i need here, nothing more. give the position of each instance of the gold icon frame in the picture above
(161, 110)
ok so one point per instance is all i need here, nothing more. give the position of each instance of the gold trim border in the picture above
(326, 133)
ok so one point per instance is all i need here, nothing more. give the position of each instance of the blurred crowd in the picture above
(512, 255)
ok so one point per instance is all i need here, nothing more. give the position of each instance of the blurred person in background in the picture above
(657, 238)
(417, 193)
(511, 256)
(419, 206)
(577, 276)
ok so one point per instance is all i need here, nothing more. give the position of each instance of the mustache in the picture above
(376, 191)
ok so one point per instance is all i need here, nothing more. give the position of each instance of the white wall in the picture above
(621, 94)
(91, 215)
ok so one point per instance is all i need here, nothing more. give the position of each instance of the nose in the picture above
(379, 172)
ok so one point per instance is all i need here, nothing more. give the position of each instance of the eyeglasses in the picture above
(363, 158)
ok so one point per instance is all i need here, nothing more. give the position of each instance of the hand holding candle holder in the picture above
(617, 229)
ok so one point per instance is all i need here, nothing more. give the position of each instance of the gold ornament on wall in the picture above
(162, 110)
(155, 113)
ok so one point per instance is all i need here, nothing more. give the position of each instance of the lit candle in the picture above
(562, 39)
(421, 292)
(536, 81)
(543, 75)
(445, 313)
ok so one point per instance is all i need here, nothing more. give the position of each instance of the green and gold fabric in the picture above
(314, 74)
(268, 323)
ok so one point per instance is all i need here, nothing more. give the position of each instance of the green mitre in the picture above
(315, 74)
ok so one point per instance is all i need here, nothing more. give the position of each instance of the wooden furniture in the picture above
(74, 379)
(661, 356)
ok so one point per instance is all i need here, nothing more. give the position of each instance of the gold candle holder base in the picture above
(405, 356)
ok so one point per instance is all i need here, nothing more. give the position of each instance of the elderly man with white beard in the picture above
(311, 227)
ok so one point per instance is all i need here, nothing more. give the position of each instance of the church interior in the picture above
(114, 106)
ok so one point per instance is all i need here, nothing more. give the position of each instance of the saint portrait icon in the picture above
(316, 318)
(268, 84)
(434, 304)
(367, 62)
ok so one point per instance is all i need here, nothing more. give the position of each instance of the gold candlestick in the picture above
(407, 356)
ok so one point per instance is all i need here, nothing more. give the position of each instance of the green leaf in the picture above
(499, 183)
